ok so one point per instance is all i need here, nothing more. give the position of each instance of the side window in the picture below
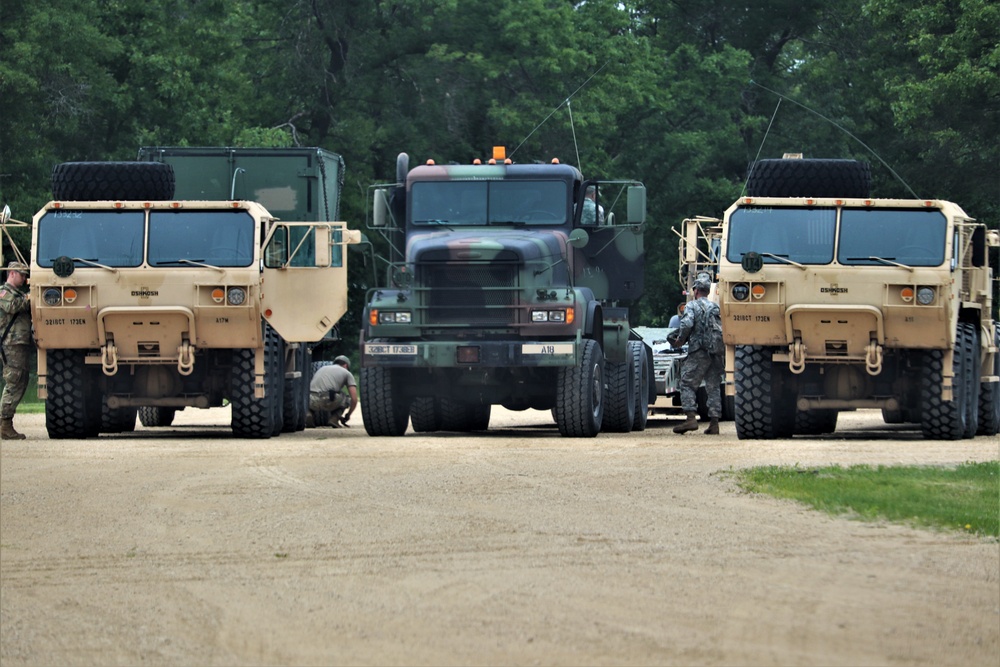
(276, 252)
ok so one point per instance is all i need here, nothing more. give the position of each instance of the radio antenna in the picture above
(559, 106)
(842, 129)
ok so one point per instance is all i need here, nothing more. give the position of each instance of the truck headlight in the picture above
(925, 296)
(52, 297)
(236, 296)
(395, 317)
(561, 316)
(741, 291)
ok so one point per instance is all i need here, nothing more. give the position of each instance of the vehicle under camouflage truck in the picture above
(505, 287)
(833, 301)
(150, 298)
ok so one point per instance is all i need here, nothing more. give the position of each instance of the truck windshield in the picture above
(803, 235)
(110, 238)
(912, 236)
(218, 238)
(454, 203)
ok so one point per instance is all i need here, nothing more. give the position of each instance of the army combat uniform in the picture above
(701, 327)
(15, 327)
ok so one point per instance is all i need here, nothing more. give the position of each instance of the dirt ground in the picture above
(184, 546)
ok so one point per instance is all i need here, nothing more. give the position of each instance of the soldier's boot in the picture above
(7, 431)
(310, 419)
(713, 427)
(335, 416)
(690, 425)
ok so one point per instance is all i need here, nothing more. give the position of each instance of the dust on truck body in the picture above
(501, 290)
(152, 300)
(840, 303)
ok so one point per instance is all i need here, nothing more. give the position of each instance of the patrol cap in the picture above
(343, 360)
(20, 267)
(703, 284)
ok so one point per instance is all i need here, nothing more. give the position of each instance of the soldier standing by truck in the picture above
(15, 345)
(701, 329)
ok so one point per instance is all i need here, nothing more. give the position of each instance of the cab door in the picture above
(304, 277)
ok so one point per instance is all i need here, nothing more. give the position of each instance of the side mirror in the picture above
(5, 215)
(380, 208)
(636, 204)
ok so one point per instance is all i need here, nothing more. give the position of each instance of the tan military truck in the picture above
(141, 301)
(832, 301)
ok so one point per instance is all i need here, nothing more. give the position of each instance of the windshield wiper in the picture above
(192, 262)
(434, 221)
(889, 261)
(783, 259)
(94, 263)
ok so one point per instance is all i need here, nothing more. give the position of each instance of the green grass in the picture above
(30, 403)
(965, 498)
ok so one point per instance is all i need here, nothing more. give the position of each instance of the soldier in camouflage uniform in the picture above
(701, 328)
(16, 344)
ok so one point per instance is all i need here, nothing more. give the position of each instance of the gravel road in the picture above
(184, 546)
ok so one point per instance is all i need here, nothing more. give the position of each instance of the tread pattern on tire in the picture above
(640, 361)
(758, 413)
(815, 422)
(252, 417)
(809, 178)
(971, 374)
(384, 412)
(989, 399)
(117, 420)
(66, 408)
(100, 181)
(940, 419)
(152, 416)
(425, 414)
(619, 401)
(576, 413)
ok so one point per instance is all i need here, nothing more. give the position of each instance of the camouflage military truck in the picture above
(833, 301)
(143, 300)
(505, 287)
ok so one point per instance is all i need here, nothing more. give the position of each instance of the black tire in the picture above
(640, 362)
(580, 394)
(941, 419)
(619, 401)
(70, 409)
(973, 371)
(425, 414)
(292, 409)
(274, 378)
(989, 398)
(760, 414)
(252, 417)
(815, 422)
(383, 407)
(156, 416)
(117, 420)
(99, 181)
(809, 178)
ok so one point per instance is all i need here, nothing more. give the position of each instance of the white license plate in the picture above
(547, 348)
(377, 349)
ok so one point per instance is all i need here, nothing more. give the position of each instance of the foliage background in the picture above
(680, 94)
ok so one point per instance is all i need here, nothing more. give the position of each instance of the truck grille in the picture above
(472, 294)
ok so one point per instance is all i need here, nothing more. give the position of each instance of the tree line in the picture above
(682, 95)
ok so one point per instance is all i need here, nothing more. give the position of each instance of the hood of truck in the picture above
(535, 246)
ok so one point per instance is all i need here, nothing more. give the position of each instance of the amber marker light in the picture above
(118, 204)
(758, 291)
(218, 294)
(268, 313)
(906, 294)
(69, 295)
(570, 315)
(500, 153)
(373, 316)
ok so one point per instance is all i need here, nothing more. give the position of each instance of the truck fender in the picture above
(594, 327)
